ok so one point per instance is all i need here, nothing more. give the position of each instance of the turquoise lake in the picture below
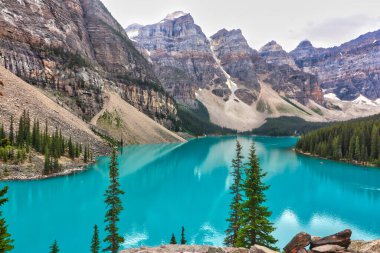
(170, 185)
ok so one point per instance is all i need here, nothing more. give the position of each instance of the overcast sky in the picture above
(324, 22)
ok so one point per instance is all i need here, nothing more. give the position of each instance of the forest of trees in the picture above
(17, 144)
(356, 141)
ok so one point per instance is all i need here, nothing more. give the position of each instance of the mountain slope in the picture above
(348, 71)
(181, 54)
(17, 96)
(223, 73)
(75, 49)
(121, 120)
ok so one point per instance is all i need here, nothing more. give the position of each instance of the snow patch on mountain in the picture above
(363, 100)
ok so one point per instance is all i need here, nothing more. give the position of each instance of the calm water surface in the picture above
(170, 185)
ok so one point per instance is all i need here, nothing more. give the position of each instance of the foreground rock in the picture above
(299, 242)
(336, 243)
(328, 248)
(197, 249)
(341, 239)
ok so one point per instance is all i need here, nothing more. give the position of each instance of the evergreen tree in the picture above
(2, 133)
(11, 132)
(71, 149)
(235, 206)
(114, 207)
(374, 142)
(47, 164)
(173, 240)
(255, 228)
(54, 248)
(85, 155)
(183, 240)
(95, 243)
(5, 237)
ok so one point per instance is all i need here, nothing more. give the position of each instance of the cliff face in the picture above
(75, 48)
(270, 65)
(274, 54)
(181, 54)
(350, 70)
(238, 60)
(186, 61)
(224, 73)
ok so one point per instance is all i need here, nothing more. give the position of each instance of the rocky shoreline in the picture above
(355, 247)
(24, 177)
(34, 170)
(336, 243)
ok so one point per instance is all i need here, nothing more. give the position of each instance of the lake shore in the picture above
(353, 162)
(33, 170)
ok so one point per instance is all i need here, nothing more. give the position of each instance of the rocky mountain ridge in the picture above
(349, 71)
(223, 72)
(75, 49)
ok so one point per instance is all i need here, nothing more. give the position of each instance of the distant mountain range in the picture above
(241, 87)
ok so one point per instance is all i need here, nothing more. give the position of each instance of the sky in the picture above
(325, 23)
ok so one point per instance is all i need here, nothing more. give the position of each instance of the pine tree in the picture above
(255, 228)
(173, 240)
(47, 164)
(357, 151)
(2, 132)
(374, 142)
(71, 149)
(54, 248)
(114, 207)
(5, 237)
(11, 132)
(183, 240)
(85, 155)
(95, 243)
(235, 206)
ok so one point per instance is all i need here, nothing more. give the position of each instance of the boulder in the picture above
(299, 242)
(260, 249)
(341, 239)
(328, 249)
(364, 246)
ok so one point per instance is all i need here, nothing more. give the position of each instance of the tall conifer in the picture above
(114, 207)
(255, 228)
(235, 206)
(5, 237)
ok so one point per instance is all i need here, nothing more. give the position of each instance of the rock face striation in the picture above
(180, 51)
(350, 70)
(75, 49)
(186, 61)
(223, 72)
(273, 53)
(248, 67)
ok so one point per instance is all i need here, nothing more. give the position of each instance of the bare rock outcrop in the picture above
(74, 49)
(349, 70)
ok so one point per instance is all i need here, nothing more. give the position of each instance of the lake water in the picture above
(170, 185)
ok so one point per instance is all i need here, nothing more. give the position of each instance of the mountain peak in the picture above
(271, 46)
(175, 15)
(305, 44)
(224, 32)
